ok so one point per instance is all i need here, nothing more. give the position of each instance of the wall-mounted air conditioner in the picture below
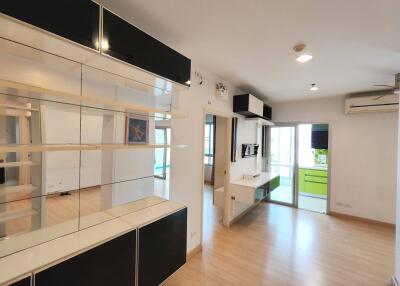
(377, 103)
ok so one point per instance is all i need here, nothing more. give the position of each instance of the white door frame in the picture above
(227, 193)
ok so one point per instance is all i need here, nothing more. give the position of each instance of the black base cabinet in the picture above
(24, 282)
(112, 263)
(162, 248)
(143, 257)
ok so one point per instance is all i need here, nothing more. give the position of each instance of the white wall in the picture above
(220, 152)
(363, 155)
(397, 254)
(187, 163)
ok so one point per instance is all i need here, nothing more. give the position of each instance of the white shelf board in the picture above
(80, 147)
(18, 164)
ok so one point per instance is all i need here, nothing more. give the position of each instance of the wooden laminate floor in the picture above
(278, 245)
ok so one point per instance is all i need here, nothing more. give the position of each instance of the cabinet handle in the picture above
(316, 176)
(307, 181)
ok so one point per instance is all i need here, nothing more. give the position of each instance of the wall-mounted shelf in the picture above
(86, 101)
(80, 147)
(13, 106)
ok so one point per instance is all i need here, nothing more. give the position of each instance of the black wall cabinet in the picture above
(234, 139)
(24, 282)
(267, 112)
(319, 136)
(76, 20)
(112, 263)
(162, 248)
(132, 45)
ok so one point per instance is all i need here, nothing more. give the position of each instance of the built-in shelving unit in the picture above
(54, 109)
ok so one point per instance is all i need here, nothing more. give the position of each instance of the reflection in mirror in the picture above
(102, 203)
(45, 195)
(28, 222)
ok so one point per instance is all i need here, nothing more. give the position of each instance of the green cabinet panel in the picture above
(313, 182)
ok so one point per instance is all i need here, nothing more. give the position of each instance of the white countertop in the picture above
(262, 179)
(315, 167)
(44, 255)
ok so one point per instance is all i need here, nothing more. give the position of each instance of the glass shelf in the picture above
(41, 93)
(79, 147)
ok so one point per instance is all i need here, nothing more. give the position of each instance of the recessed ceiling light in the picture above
(304, 58)
(314, 87)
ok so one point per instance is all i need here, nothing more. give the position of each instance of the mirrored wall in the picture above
(77, 145)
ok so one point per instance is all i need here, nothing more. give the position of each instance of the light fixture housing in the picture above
(314, 87)
(304, 58)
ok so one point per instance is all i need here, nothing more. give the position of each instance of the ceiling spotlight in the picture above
(302, 58)
(314, 87)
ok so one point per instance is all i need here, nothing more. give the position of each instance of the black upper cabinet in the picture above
(251, 107)
(129, 44)
(319, 136)
(267, 112)
(76, 20)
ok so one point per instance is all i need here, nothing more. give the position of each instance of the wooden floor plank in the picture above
(278, 245)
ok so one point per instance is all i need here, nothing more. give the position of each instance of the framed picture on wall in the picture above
(137, 130)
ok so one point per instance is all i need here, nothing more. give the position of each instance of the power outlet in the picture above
(348, 206)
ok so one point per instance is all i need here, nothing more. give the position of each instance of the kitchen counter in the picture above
(315, 167)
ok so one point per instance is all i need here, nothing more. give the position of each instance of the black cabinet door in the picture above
(162, 248)
(24, 282)
(112, 263)
(129, 44)
(76, 20)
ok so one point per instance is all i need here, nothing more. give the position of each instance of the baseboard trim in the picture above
(361, 219)
(193, 252)
(394, 281)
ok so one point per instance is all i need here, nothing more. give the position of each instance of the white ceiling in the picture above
(355, 43)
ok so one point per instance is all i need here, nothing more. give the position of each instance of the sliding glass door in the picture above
(299, 153)
(283, 162)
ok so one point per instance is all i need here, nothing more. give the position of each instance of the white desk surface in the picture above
(52, 252)
(262, 179)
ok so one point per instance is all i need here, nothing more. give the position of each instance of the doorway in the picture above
(216, 163)
(313, 167)
(299, 153)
